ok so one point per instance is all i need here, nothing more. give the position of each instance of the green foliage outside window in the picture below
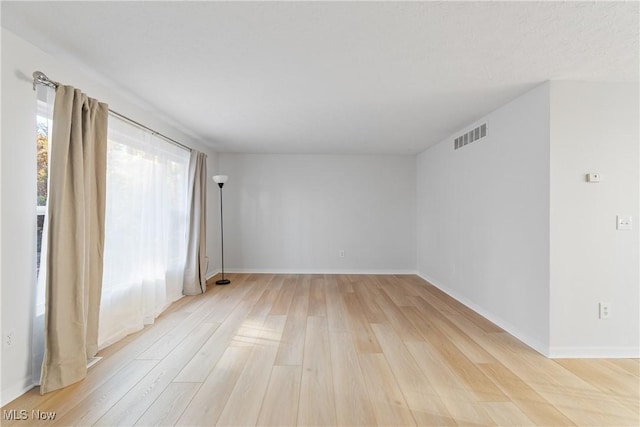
(43, 162)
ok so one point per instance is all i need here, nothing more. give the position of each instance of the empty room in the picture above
(320, 213)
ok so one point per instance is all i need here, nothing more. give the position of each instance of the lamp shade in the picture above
(220, 179)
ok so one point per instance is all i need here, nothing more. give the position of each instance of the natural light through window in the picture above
(43, 129)
(44, 115)
(145, 229)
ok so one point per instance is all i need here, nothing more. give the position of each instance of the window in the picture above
(145, 229)
(44, 114)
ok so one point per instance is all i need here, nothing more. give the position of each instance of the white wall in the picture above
(213, 218)
(594, 128)
(294, 213)
(506, 225)
(483, 218)
(18, 178)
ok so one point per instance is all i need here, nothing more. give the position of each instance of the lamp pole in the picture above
(220, 180)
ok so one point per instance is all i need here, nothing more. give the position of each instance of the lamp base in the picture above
(223, 282)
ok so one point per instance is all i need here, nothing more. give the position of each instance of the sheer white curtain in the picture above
(45, 99)
(145, 231)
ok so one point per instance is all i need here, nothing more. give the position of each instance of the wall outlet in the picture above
(604, 310)
(9, 338)
(624, 222)
(341, 253)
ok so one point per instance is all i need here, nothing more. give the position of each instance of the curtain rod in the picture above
(40, 78)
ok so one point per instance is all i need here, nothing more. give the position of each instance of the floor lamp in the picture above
(220, 180)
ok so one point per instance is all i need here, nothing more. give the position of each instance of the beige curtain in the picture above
(76, 206)
(195, 281)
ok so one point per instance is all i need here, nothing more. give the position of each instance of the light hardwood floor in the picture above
(335, 350)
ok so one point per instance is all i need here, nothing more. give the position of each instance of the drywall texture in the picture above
(483, 218)
(19, 60)
(594, 128)
(294, 213)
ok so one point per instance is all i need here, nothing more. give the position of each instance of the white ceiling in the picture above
(327, 77)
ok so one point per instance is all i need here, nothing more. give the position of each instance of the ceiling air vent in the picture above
(472, 136)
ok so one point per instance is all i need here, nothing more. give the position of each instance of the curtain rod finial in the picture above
(39, 76)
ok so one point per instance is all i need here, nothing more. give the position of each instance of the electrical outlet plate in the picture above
(9, 338)
(624, 222)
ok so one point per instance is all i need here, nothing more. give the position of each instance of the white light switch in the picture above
(624, 223)
(604, 310)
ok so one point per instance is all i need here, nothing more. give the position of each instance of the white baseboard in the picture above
(508, 327)
(318, 271)
(211, 275)
(12, 393)
(93, 360)
(594, 353)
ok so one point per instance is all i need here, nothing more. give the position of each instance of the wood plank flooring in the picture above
(334, 350)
